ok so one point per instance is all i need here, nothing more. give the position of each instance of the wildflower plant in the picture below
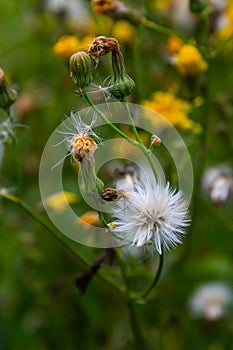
(118, 176)
(143, 210)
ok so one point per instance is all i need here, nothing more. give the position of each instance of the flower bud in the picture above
(196, 6)
(8, 94)
(121, 85)
(81, 69)
(155, 140)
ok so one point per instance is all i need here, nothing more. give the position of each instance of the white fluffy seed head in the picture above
(210, 301)
(155, 214)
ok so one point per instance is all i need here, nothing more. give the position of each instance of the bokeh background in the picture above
(40, 305)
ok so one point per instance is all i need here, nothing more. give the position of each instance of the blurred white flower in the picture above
(73, 9)
(218, 5)
(217, 183)
(210, 301)
(182, 16)
(153, 215)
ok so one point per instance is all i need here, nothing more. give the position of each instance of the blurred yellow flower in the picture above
(174, 45)
(89, 218)
(161, 5)
(60, 201)
(123, 31)
(101, 6)
(174, 109)
(189, 61)
(67, 45)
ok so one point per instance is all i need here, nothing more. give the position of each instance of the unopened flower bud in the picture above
(121, 85)
(8, 94)
(155, 140)
(196, 6)
(81, 69)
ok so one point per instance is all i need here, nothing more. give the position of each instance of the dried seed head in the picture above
(81, 69)
(103, 45)
(82, 147)
(112, 8)
(116, 9)
(113, 195)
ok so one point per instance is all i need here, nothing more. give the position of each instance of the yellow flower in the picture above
(123, 31)
(89, 218)
(189, 61)
(59, 201)
(174, 45)
(67, 45)
(162, 5)
(86, 42)
(174, 109)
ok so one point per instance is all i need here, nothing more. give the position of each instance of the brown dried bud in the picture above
(115, 9)
(112, 195)
(82, 147)
(155, 140)
(103, 45)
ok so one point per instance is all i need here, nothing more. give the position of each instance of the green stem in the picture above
(147, 291)
(64, 240)
(15, 152)
(146, 152)
(137, 143)
(138, 338)
(221, 49)
(129, 116)
(102, 115)
(158, 28)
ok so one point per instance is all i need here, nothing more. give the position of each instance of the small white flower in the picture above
(154, 214)
(210, 301)
(217, 183)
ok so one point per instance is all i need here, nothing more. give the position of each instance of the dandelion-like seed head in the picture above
(81, 142)
(155, 214)
(210, 301)
(217, 183)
